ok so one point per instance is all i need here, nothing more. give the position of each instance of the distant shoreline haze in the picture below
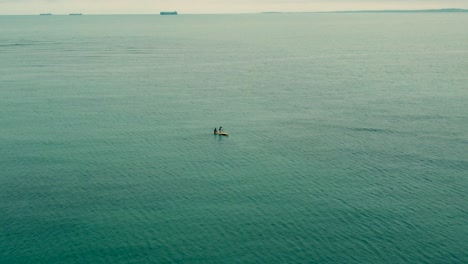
(442, 10)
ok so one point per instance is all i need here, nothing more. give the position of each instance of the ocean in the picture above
(348, 138)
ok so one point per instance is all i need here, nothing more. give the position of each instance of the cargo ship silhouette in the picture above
(164, 13)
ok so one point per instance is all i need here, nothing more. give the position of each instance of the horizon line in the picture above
(447, 10)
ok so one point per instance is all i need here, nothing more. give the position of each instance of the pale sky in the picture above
(11, 7)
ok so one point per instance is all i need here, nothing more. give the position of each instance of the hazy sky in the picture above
(212, 6)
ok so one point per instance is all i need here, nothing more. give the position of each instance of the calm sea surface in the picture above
(348, 138)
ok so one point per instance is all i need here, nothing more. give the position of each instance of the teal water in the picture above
(348, 139)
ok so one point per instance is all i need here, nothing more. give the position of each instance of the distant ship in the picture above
(75, 14)
(164, 13)
(45, 14)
